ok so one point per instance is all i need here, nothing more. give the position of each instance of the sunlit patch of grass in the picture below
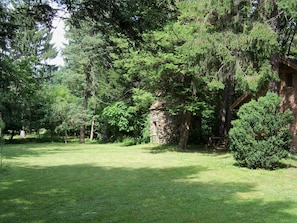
(55, 182)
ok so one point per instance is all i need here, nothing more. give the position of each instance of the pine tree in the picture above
(260, 137)
(25, 51)
(88, 58)
(167, 66)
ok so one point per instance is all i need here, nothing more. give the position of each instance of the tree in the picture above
(7, 28)
(113, 18)
(2, 126)
(131, 18)
(88, 58)
(118, 116)
(129, 118)
(23, 59)
(32, 37)
(91, 76)
(260, 137)
(62, 111)
(263, 31)
(15, 99)
(214, 47)
(199, 54)
(163, 67)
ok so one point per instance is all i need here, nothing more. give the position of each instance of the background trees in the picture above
(200, 62)
(198, 56)
(63, 114)
(25, 48)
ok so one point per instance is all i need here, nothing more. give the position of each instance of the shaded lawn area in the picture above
(112, 183)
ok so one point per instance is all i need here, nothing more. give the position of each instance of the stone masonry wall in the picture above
(163, 126)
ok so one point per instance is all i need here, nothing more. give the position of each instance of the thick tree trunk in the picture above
(184, 131)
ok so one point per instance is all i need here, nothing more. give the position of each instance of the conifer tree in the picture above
(253, 38)
(88, 60)
(25, 51)
(214, 47)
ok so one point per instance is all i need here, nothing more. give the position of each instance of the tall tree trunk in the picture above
(82, 133)
(92, 130)
(85, 103)
(12, 135)
(65, 137)
(184, 131)
(273, 86)
(226, 113)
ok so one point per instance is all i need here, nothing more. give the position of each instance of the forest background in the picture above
(121, 56)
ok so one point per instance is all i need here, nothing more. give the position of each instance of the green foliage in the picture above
(131, 18)
(122, 55)
(145, 132)
(25, 46)
(259, 137)
(129, 141)
(142, 100)
(62, 110)
(129, 123)
(32, 36)
(118, 116)
(88, 73)
(2, 125)
(18, 92)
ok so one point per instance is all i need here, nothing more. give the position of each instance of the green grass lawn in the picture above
(112, 183)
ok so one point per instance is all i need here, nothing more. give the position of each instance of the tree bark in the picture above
(184, 131)
(66, 137)
(226, 113)
(85, 105)
(92, 130)
(273, 85)
(82, 133)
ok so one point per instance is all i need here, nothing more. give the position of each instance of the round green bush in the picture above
(260, 136)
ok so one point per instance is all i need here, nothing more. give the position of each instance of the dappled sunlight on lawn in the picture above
(115, 184)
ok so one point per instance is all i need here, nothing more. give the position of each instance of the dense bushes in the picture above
(259, 137)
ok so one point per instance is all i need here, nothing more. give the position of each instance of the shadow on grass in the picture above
(163, 148)
(86, 193)
(11, 151)
(42, 138)
(190, 149)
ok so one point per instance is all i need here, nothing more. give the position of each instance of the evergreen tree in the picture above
(260, 137)
(88, 69)
(32, 36)
(165, 67)
(7, 28)
(131, 18)
(24, 54)
(214, 47)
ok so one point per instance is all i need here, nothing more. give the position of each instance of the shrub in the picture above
(129, 141)
(259, 137)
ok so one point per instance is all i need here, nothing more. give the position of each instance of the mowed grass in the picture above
(113, 183)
